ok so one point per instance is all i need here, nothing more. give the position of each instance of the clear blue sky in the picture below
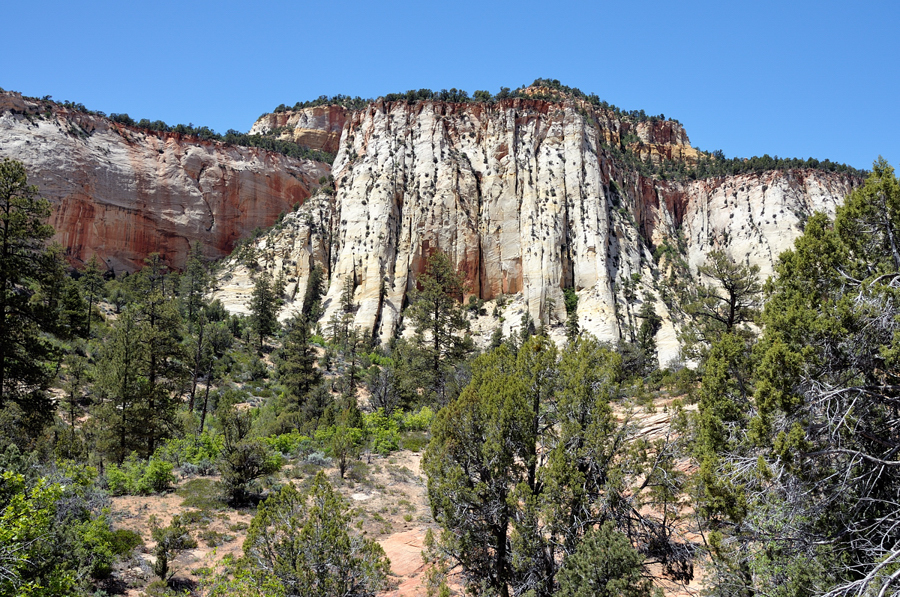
(787, 78)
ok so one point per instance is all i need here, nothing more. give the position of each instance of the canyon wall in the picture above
(526, 198)
(122, 193)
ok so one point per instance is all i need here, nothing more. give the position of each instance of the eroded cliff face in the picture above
(123, 193)
(317, 128)
(525, 198)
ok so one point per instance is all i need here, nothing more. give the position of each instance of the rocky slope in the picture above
(123, 193)
(526, 198)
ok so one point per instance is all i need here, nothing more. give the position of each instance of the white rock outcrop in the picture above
(526, 198)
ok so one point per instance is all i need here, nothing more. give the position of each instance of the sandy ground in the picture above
(389, 501)
(386, 494)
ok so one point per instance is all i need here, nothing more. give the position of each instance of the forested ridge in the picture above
(709, 164)
(776, 474)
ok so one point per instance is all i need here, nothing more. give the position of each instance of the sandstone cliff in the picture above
(526, 198)
(123, 193)
(319, 127)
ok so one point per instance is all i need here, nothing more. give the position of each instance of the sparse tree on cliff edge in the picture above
(722, 306)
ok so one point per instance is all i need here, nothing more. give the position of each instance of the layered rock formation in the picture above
(317, 128)
(526, 199)
(122, 193)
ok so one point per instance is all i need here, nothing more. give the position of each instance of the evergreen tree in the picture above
(141, 372)
(604, 565)
(121, 386)
(800, 482)
(723, 305)
(163, 359)
(305, 541)
(312, 298)
(24, 352)
(530, 457)
(243, 459)
(264, 305)
(297, 370)
(441, 326)
(170, 541)
(92, 285)
(651, 323)
(194, 284)
(571, 301)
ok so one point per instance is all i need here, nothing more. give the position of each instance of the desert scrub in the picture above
(204, 494)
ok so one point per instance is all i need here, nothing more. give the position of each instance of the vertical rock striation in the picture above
(526, 198)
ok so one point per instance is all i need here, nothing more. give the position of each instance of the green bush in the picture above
(116, 480)
(414, 441)
(124, 541)
(383, 431)
(290, 444)
(193, 450)
(158, 475)
(139, 477)
(205, 494)
(419, 420)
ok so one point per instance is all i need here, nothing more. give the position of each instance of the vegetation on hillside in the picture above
(780, 479)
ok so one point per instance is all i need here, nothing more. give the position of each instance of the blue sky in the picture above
(787, 78)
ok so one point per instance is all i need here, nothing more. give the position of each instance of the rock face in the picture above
(317, 128)
(123, 193)
(526, 198)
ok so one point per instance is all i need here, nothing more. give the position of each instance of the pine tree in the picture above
(92, 285)
(315, 289)
(297, 370)
(305, 541)
(440, 323)
(723, 305)
(141, 371)
(604, 565)
(530, 456)
(24, 350)
(121, 387)
(798, 470)
(646, 338)
(194, 284)
(264, 305)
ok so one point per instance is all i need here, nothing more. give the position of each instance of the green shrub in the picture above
(383, 431)
(358, 471)
(158, 475)
(290, 444)
(419, 420)
(414, 441)
(193, 450)
(205, 494)
(139, 477)
(116, 480)
(124, 541)
(214, 538)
